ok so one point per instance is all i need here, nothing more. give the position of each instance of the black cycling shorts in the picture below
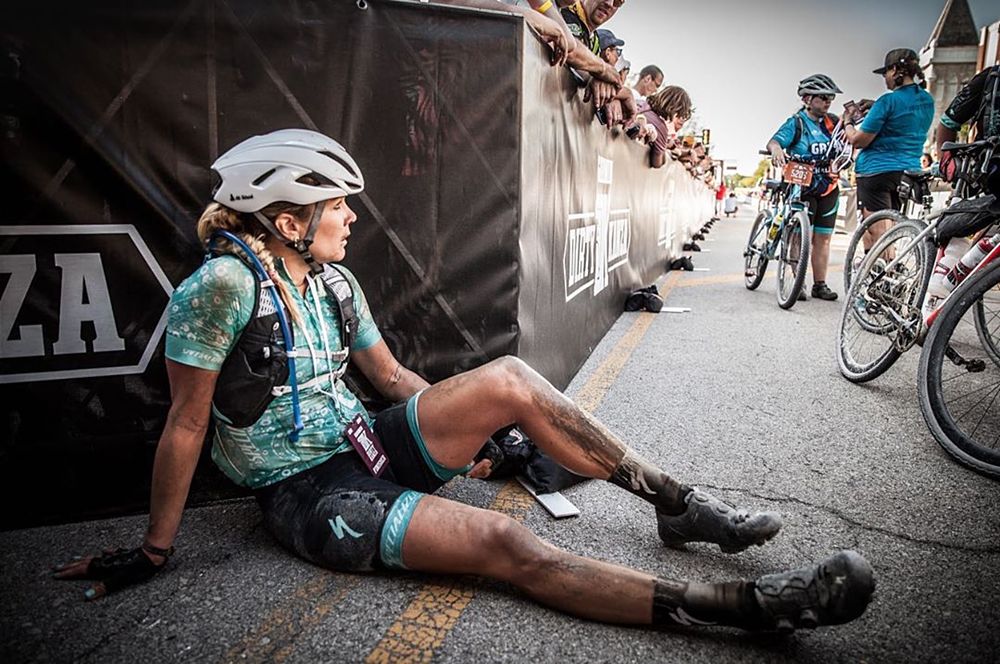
(339, 516)
(823, 211)
(880, 191)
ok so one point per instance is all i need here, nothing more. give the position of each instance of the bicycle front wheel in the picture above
(755, 253)
(986, 318)
(959, 383)
(856, 247)
(881, 315)
(793, 258)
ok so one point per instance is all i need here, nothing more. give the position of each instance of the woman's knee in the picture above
(512, 379)
(519, 554)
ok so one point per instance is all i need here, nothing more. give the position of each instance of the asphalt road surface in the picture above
(736, 396)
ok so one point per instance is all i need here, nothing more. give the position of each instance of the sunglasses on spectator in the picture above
(823, 97)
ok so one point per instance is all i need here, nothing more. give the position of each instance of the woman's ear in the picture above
(288, 226)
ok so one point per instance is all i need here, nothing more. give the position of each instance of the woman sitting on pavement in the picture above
(310, 451)
(809, 133)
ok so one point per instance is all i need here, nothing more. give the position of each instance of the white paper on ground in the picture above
(675, 310)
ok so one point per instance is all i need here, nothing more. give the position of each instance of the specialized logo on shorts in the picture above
(597, 243)
(78, 302)
(339, 527)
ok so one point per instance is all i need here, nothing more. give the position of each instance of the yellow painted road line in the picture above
(428, 619)
(426, 622)
(275, 638)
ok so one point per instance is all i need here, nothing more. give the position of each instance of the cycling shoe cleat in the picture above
(833, 592)
(708, 519)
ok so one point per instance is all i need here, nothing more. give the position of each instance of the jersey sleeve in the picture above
(207, 313)
(875, 120)
(785, 133)
(368, 333)
(966, 103)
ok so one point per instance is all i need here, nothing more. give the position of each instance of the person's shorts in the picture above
(880, 191)
(823, 211)
(338, 515)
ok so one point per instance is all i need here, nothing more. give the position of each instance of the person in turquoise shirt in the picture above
(809, 133)
(891, 136)
(283, 195)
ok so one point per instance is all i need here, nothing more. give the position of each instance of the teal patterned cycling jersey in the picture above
(207, 313)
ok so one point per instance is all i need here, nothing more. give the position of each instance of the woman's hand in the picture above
(778, 157)
(113, 570)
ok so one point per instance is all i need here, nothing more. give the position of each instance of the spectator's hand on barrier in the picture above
(651, 134)
(552, 34)
(614, 113)
(600, 93)
(113, 570)
(629, 110)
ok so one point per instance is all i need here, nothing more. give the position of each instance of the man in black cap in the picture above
(891, 136)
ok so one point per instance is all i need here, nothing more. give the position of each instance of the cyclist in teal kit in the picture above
(809, 133)
(258, 339)
(891, 137)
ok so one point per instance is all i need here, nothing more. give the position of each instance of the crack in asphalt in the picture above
(854, 522)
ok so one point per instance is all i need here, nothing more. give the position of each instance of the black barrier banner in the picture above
(111, 117)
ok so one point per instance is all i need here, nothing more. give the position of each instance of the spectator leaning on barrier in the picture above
(583, 18)
(650, 80)
(666, 111)
(352, 492)
(891, 136)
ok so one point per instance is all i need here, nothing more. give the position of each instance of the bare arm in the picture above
(856, 137)
(777, 153)
(180, 444)
(393, 381)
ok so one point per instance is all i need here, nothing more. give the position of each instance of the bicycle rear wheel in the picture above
(856, 247)
(793, 258)
(755, 254)
(959, 384)
(881, 315)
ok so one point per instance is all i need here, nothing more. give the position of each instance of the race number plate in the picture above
(367, 444)
(798, 173)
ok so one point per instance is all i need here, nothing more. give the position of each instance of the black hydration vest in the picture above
(258, 362)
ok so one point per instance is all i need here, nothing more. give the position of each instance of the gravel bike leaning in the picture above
(882, 318)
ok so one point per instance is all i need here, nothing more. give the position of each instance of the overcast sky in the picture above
(741, 59)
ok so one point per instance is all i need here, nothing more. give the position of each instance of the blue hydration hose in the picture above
(286, 332)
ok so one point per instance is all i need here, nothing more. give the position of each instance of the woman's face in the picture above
(678, 122)
(330, 242)
(819, 105)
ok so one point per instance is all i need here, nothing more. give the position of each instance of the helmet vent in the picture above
(264, 177)
(347, 167)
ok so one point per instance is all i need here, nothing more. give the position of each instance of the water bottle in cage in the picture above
(939, 285)
(775, 224)
(970, 260)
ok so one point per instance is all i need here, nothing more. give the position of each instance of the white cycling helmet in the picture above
(266, 169)
(269, 169)
(818, 84)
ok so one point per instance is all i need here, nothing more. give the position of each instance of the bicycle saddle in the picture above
(962, 148)
(919, 176)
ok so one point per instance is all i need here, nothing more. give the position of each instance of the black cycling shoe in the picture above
(833, 592)
(708, 519)
(821, 291)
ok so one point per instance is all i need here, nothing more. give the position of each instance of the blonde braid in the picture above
(218, 217)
